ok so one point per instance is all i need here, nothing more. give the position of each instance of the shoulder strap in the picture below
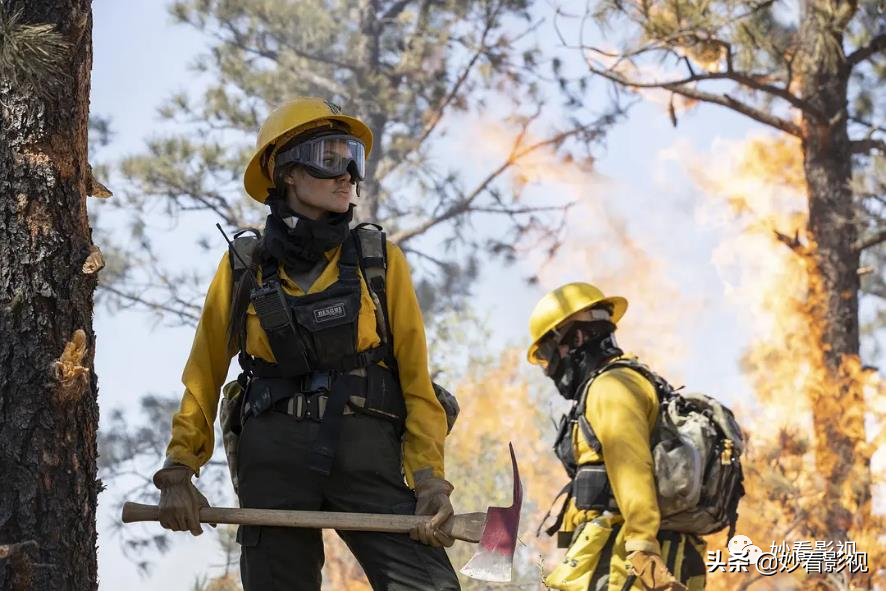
(241, 253)
(662, 389)
(241, 250)
(373, 254)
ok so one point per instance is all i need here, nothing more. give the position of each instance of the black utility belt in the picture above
(306, 406)
(591, 489)
(305, 397)
(312, 407)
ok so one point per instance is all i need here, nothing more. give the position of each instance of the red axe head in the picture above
(495, 556)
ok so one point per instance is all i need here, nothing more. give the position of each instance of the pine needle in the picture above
(32, 56)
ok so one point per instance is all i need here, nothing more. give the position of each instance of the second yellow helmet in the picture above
(563, 302)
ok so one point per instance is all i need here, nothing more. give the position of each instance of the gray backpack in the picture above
(696, 451)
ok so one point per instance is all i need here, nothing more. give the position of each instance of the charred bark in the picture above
(838, 407)
(48, 408)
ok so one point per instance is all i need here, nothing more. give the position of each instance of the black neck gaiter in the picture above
(302, 246)
(571, 372)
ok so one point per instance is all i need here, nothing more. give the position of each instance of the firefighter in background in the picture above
(337, 406)
(610, 519)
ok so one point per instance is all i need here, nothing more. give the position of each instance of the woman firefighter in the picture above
(338, 401)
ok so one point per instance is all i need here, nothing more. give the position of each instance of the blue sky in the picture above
(140, 59)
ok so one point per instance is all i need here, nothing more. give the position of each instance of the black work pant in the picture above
(366, 478)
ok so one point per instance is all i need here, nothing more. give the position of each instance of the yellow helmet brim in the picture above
(256, 180)
(562, 303)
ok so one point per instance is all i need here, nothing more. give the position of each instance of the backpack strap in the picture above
(241, 253)
(372, 249)
(662, 389)
(586, 430)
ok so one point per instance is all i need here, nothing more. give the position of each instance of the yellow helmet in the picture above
(563, 302)
(287, 121)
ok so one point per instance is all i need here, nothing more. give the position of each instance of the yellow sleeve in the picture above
(622, 407)
(425, 417)
(205, 371)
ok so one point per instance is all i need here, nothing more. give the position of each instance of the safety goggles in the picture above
(548, 348)
(327, 156)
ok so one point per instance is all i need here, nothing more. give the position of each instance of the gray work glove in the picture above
(180, 501)
(652, 572)
(432, 498)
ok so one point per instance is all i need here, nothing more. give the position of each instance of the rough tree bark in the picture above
(48, 408)
(813, 78)
(833, 262)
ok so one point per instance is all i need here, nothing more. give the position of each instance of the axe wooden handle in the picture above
(467, 526)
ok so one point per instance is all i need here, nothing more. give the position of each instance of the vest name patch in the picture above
(328, 313)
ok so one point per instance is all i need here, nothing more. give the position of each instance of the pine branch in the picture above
(189, 317)
(466, 203)
(444, 265)
(872, 127)
(876, 45)
(514, 211)
(751, 80)
(32, 55)
(238, 40)
(871, 241)
(792, 242)
(866, 146)
(440, 110)
(724, 100)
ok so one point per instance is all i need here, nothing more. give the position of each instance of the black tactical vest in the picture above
(315, 332)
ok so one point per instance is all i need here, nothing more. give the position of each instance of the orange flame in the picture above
(601, 247)
(756, 194)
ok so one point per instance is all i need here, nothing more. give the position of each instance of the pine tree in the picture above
(813, 71)
(48, 409)
(402, 66)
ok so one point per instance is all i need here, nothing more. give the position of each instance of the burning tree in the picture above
(812, 71)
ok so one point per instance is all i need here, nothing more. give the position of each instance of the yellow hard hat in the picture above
(563, 302)
(285, 122)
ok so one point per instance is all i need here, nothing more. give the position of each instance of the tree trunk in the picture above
(370, 78)
(48, 407)
(837, 404)
(371, 196)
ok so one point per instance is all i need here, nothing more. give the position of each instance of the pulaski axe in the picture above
(495, 530)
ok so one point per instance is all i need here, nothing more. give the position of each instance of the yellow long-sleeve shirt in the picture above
(622, 408)
(192, 440)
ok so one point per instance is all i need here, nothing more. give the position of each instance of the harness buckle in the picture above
(306, 406)
(319, 381)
